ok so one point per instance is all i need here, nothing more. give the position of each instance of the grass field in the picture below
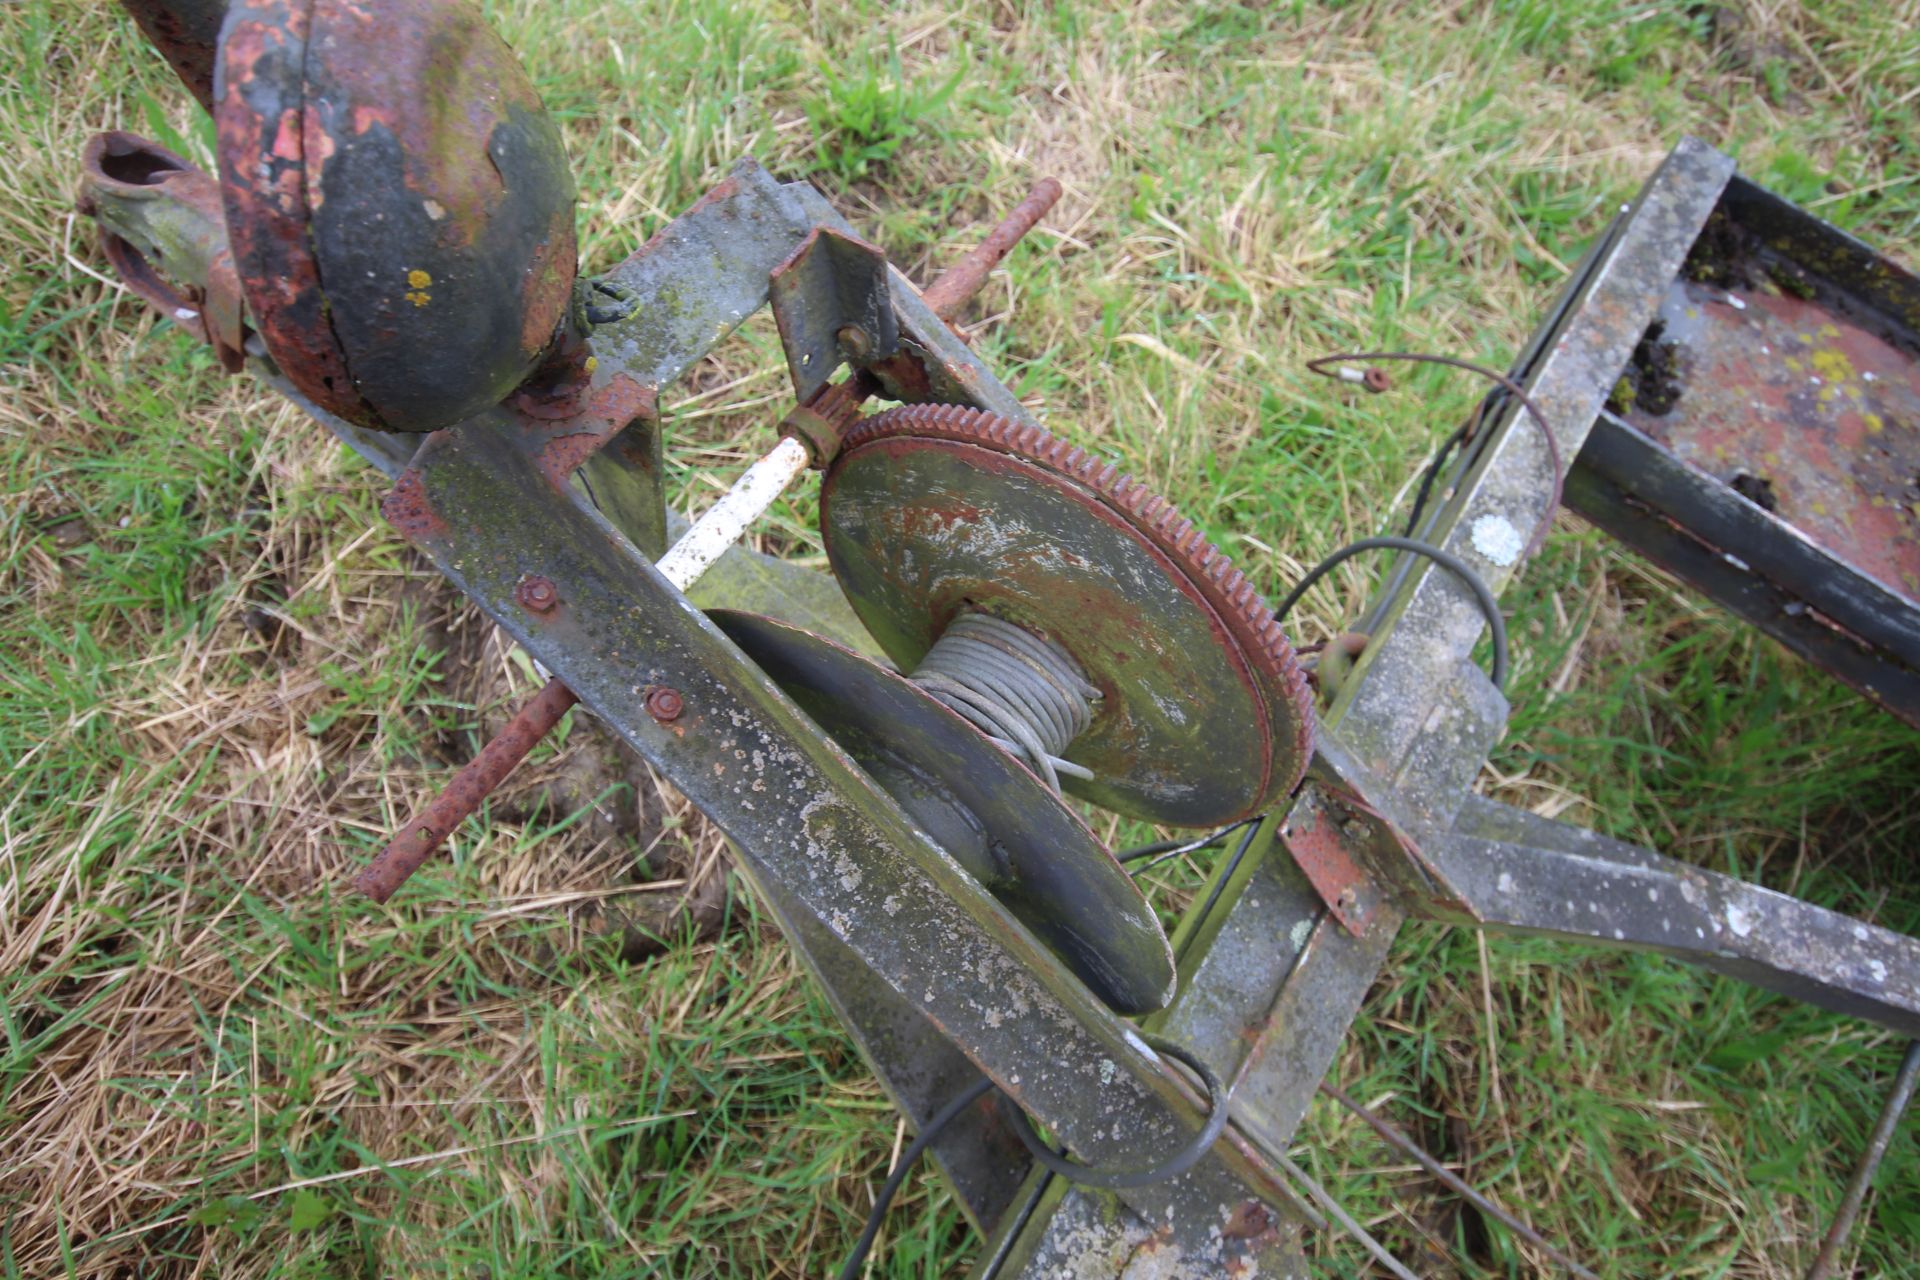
(222, 678)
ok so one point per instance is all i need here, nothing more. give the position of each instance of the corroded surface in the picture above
(187, 34)
(981, 806)
(162, 229)
(1205, 716)
(803, 812)
(400, 205)
(1805, 407)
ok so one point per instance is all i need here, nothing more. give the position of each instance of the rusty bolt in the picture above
(854, 339)
(665, 704)
(537, 594)
(1354, 829)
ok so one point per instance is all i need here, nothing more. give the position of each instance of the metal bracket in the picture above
(832, 302)
(1320, 839)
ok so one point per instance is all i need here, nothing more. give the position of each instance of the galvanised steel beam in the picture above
(1524, 874)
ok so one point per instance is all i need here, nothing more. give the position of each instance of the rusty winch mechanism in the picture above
(390, 242)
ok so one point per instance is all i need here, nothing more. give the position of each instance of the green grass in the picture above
(222, 679)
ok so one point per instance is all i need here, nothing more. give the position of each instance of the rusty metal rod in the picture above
(1877, 1143)
(1453, 1181)
(417, 840)
(963, 279)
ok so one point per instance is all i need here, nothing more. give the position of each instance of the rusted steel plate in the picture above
(1322, 844)
(980, 805)
(1761, 375)
(1763, 442)
(400, 203)
(1205, 716)
(831, 303)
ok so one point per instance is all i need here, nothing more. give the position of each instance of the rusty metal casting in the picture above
(415, 842)
(1205, 716)
(399, 202)
(161, 228)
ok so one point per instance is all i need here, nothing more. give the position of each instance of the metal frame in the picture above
(1297, 923)
(1692, 520)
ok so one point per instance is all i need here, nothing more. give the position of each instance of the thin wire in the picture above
(1323, 367)
(940, 1120)
(1445, 559)
(1171, 1167)
(1167, 850)
(1220, 883)
(1432, 473)
(1452, 1180)
(1345, 1219)
(1026, 694)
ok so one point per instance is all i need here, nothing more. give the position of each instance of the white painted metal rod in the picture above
(728, 518)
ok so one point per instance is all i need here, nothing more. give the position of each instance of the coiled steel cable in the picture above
(1025, 693)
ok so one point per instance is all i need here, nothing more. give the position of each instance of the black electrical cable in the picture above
(1324, 367)
(1172, 1167)
(1226, 874)
(1432, 474)
(1445, 559)
(1163, 850)
(940, 1120)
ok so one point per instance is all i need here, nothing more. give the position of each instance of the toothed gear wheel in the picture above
(931, 510)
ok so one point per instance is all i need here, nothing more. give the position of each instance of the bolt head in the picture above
(855, 341)
(537, 593)
(665, 704)
(1354, 829)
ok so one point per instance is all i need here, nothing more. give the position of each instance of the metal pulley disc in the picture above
(932, 510)
(980, 805)
(398, 202)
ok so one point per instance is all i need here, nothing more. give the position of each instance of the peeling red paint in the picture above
(409, 511)
(571, 441)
